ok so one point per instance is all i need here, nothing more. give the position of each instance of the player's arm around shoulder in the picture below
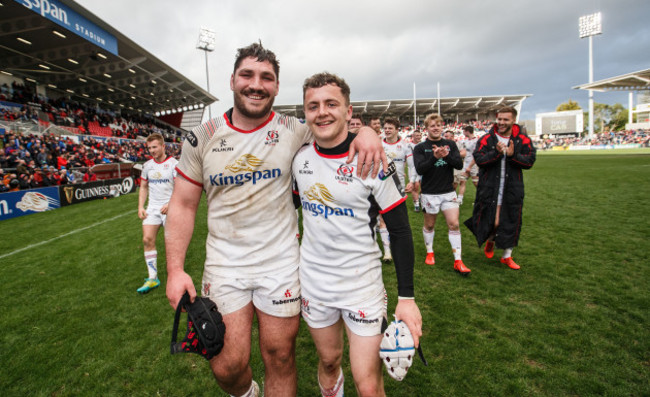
(370, 151)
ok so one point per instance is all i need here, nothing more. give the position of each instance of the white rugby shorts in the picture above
(154, 217)
(277, 294)
(434, 203)
(363, 319)
(473, 173)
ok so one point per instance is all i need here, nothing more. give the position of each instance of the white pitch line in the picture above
(64, 235)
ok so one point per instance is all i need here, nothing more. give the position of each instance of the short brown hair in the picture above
(256, 50)
(393, 121)
(508, 109)
(156, 137)
(432, 117)
(322, 79)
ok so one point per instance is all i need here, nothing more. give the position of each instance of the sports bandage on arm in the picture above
(401, 245)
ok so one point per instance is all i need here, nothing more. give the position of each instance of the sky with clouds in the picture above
(381, 48)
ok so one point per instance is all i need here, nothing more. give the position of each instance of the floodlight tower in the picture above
(206, 41)
(589, 26)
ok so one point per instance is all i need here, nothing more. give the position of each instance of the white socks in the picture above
(454, 240)
(337, 390)
(507, 253)
(253, 391)
(151, 258)
(428, 239)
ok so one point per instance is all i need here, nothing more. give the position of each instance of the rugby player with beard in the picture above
(340, 267)
(375, 124)
(501, 155)
(242, 161)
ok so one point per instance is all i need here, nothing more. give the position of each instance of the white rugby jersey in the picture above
(160, 180)
(339, 256)
(246, 176)
(401, 153)
(469, 145)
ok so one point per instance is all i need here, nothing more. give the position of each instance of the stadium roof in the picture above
(62, 46)
(467, 107)
(634, 81)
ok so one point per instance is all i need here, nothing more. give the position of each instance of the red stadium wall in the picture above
(174, 119)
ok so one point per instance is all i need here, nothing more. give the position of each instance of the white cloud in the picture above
(472, 47)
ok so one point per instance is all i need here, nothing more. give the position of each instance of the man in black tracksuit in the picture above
(435, 159)
(501, 155)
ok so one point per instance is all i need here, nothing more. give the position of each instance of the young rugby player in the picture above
(156, 182)
(435, 159)
(340, 267)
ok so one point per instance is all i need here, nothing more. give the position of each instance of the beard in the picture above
(240, 104)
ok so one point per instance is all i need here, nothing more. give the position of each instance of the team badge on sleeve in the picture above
(397, 350)
(191, 138)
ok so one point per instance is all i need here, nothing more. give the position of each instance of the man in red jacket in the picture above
(501, 155)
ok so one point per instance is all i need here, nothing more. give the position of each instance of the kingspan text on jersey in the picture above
(239, 179)
(326, 210)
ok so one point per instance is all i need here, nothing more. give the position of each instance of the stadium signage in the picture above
(69, 19)
(73, 194)
(25, 202)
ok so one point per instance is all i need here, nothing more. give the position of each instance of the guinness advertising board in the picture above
(105, 188)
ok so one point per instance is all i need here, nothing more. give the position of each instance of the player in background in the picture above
(340, 271)
(375, 124)
(469, 165)
(401, 153)
(355, 123)
(416, 137)
(157, 183)
(242, 160)
(435, 159)
(501, 155)
(449, 135)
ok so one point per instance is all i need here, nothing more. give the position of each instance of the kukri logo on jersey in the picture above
(245, 169)
(318, 201)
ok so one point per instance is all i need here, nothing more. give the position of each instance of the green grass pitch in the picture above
(575, 320)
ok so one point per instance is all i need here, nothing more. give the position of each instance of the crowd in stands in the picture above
(640, 137)
(86, 119)
(30, 161)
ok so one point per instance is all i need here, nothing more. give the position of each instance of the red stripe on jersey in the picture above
(254, 129)
(403, 199)
(188, 178)
(211, 127)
